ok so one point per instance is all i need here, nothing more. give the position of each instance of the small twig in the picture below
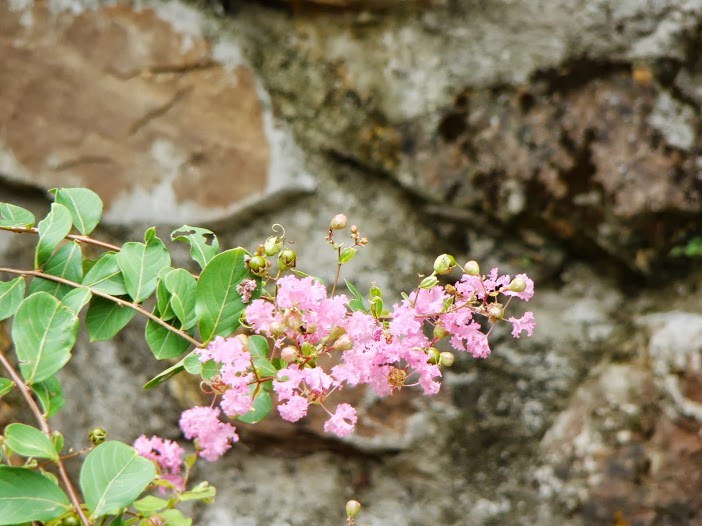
(80, 239)
(44, 425)
(114, 299)
(338, 271)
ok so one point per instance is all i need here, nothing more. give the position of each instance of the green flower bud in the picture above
(518, 285)
(495, 311)
(308, 349)
(70, 520)
(439, 332)
(276, 329)
(472, 268)
(272, 246)
(446, 359)
(287, 259)
(433, 355)
(353, 507)
(97, 436)
(343, 343)
(257, 265)
(338, 222)
(444, 264)
(289, 354)
(428, 282)
(335, 332)
(375, 291)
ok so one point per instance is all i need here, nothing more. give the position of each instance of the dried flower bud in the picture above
(292, 319)
(495, 311)
(287, 259)
(429, 282)
(472, 268)
(289, 354)
(272, 246)
(338, 222)
(276, 329)
(518, 285)
(353, 507)
(397, 377)
(444, 264)
(446, 359)
(97, 436)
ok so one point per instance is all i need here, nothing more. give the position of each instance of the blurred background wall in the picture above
(555, 137)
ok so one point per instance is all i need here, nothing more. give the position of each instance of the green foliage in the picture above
(140, 264)
(27, 496)
(84, 205)
(28, 441)
(692, 249)
(11, 295)
(14, 216)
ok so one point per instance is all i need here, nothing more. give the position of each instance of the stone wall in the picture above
(556, 137)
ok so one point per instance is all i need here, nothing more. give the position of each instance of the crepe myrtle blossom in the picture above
(385, 350)
(166, 454)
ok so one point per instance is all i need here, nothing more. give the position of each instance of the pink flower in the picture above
(527, 293)
(237, 399)
(166, 454)
(294, 409)
(525, 323)
(214, 436)
(342, 421)
(303, 293)
(260, 314)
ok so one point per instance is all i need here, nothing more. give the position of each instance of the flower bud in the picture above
(518, 285)
(472, 268)
(353, 507)
(433, 355)
(257, 264)
(289, 354)
(272, 246)
(495, 310)
(308, 349)
(375, 291)
(343, 343)
(70, 520)
(440, 332)
(97, 436)
(276, 329)
(446, 359)
(428, 282)
(292, 319)
(338, 222)
(286, 259)
(335, 332)
(444, 264)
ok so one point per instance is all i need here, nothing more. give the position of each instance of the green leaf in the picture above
(118, 520)
(106, 318)
(11, 215)
(175, 518)
(113, 476)
(203, 491)
(166, 375)
(346, 255)
(52, 229)
(76, 299)
(259, 409)
(200, 250)
(84, 205)
(50, 395)
(218, 305)
(27, 496)
(258, 347)
(5, 386)
(66, 263)
(106, 276)
(57, 441)
(182, 286)
(44, 332)
(192, 363)
(140, 264)
(29, 442)
(150, 504)
(11, 295)
(164, 343)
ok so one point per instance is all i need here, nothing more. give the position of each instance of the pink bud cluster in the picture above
(385, 352)
(166, 454)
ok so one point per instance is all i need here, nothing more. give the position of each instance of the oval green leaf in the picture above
(11, 295)
(44, 332)
(140, 264)
(84, 205)
(113, 476)
(106, 276)
(29, 442)
(260, 408)
(27, 496)
(5, 386)
(76, 299)
(218, 305)
(52, 229)
(66, 263)
(50, 395)
(182, 286)
(164, 343)
(106, 318)
(203, 243)
(11, 216)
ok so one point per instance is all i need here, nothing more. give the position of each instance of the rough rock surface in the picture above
(522, 134)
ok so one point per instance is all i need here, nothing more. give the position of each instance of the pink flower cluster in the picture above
(166, 454)
(385, 352)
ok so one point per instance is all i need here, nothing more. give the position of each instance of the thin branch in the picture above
(114, 299)
(44, 425)
(80, 239)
